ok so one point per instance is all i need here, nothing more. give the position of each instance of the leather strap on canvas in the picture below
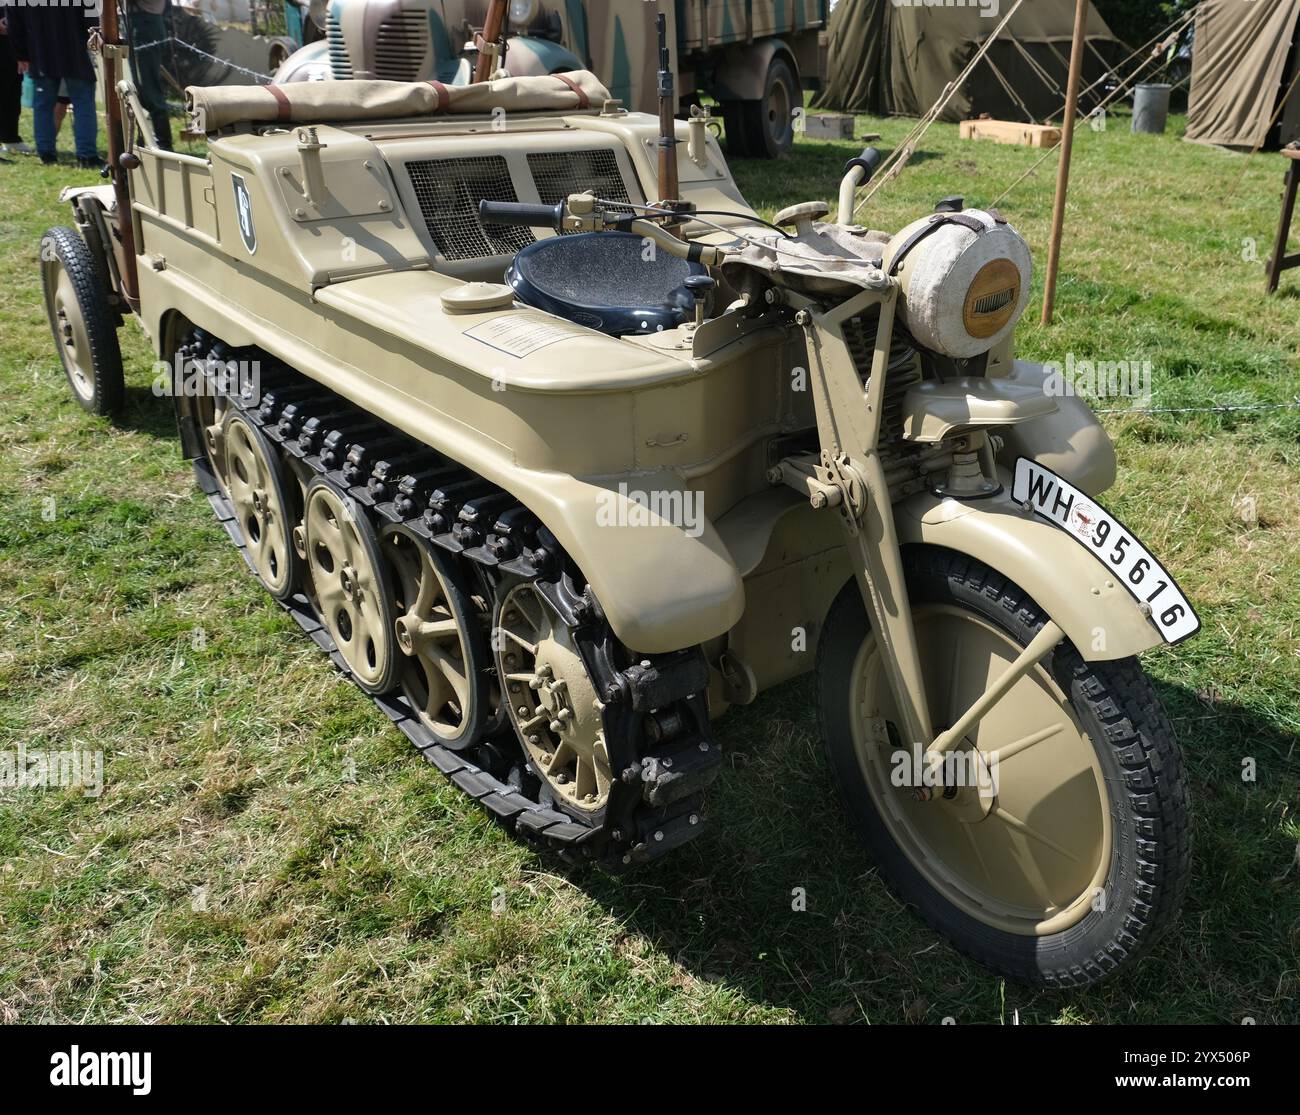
(283, 109)
(444, 98)
(583, 100)
(936, 223)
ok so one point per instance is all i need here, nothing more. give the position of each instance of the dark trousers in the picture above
(11, 93)
(147, 66)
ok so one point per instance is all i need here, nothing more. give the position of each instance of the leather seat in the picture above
(605, 281)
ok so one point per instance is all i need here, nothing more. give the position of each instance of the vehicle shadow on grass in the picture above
(778, 904)
(146, 413)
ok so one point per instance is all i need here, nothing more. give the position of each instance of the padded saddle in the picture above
(603, 280)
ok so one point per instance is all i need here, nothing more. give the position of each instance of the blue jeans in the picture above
(85, 124)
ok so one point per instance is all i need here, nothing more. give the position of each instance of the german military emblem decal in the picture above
(244, 208)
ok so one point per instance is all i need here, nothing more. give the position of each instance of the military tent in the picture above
(1244, 61)
(895, 57)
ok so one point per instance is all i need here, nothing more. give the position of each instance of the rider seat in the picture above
(616, 282)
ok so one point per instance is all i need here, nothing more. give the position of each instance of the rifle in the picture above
(491, 46)
(669, 188)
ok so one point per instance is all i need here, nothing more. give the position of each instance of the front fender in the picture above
(1097, 615)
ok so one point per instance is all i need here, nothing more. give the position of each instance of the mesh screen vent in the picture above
(340, 63)
(449, 191)
(557, 174)
(401, 45)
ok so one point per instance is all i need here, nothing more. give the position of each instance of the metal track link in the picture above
(655, 707)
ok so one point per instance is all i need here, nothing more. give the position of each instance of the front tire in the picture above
(85, 333)
(1068, 856)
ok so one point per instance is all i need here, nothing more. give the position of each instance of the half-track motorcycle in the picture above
(559, 451)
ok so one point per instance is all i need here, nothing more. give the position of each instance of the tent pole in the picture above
(1067, 147)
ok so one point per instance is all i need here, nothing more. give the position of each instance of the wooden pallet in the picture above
(1011, 131)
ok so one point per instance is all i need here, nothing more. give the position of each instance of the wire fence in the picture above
(173, 40)
(1224, 409)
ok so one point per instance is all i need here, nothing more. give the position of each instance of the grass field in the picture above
(267, 848)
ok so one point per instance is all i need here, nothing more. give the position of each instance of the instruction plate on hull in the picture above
(1111, 543)
(519, 335)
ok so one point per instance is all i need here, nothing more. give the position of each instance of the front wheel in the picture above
(85, 334)
(1056, 847)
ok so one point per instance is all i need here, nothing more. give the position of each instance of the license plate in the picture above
(1113, 544)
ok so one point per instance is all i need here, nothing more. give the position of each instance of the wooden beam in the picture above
(1067, 148)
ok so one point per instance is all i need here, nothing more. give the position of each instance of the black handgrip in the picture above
(521, 213)
(869, 161)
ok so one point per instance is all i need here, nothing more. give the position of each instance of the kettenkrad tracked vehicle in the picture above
(558, 451)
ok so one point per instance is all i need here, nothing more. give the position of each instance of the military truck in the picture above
(753, 57)
(559, 451)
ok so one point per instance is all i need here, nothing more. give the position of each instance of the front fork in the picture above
(851, 477)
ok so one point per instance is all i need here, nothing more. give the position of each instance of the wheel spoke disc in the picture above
(1019, 834)
(435, 679)
(349, 592)
(255, 496)
(552, 702)
(74, 348)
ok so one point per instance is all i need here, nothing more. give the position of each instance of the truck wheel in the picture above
(733, 122)
(1058, 846)
(76, 304)
(768, 125)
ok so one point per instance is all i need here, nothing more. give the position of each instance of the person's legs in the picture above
(85, 124)
(45, 91)
(11, 93)
(147, 67)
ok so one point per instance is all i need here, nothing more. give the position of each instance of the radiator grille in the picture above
(401, 45)
(340, 63)
(449, 191)
(557, 174)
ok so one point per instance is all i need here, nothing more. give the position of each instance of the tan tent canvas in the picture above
(1243, 62)
(888, 58)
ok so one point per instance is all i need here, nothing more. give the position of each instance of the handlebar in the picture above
(521, 213)
(857, 172)
(869, 161)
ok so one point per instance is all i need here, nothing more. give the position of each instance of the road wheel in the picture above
(350, 585)
(446, 662)
(1057, 846)
(552, 702)
(260, 495)
(85, 335)
(768, 125)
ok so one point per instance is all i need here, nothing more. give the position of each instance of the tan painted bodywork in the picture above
(348, 291)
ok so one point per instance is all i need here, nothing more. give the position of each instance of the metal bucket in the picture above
(1151, 108)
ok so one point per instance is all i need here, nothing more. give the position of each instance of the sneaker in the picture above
(49, 160)
(90, 162)
(18, 147)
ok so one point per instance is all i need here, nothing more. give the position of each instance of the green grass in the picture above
(267, 848)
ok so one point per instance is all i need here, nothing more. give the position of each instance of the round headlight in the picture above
(523, 12)
(964, 281)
